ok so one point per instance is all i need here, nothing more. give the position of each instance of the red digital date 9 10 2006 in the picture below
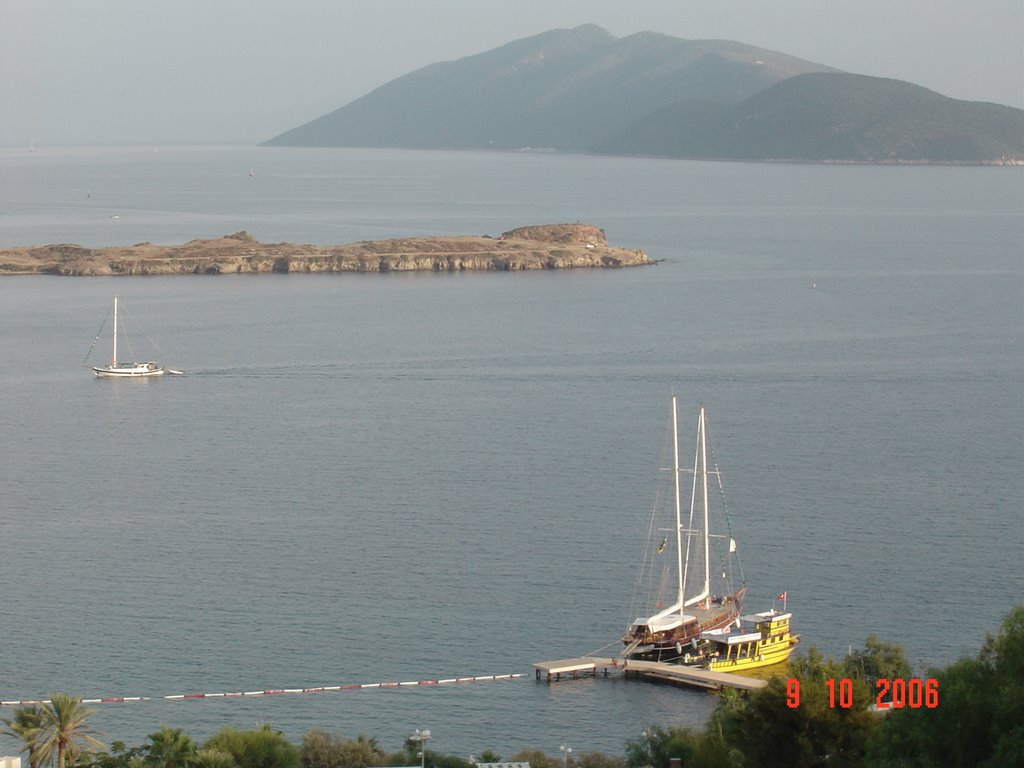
(892, 694)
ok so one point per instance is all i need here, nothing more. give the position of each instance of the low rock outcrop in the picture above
(552, 246)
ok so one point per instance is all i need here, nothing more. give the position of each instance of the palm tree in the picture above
(64, 728)
(171, 748)
(214, 758)
(27, 725)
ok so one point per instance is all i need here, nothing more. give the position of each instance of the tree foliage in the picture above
(211, 757)
(259, 748)
(696, 749)
(765, 730)
(65, 729)
(878, 661)
(170, 748)
(537, 758)
(979, 721)
(324, 750)
(118, 756)
(770, 733)
(26, 725)
(597, 760)
(438, 760)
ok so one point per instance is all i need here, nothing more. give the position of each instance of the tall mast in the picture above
(700, 470)
(113, 362)
(707, 521)
(679, 521)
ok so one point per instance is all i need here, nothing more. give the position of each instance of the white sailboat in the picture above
(673, 632)
(127, 370)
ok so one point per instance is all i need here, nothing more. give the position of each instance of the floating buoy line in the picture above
(269, 691)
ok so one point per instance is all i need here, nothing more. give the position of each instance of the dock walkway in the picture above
(674, 673)
(586, 665)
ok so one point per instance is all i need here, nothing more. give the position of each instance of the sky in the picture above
(113, 72)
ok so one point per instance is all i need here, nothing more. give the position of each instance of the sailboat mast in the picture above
(113, 361)
(707, 530)
(679, 520)
(700, 475)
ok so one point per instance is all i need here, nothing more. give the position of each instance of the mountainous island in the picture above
(551, 246)
(583, 90)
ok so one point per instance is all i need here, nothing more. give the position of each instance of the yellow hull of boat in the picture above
(762, 656)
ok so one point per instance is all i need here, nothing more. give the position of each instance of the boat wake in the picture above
(275, 372)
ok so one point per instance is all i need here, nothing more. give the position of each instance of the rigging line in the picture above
(725, 507)
(647, 563)
(140, 329)
(85, 360)
(646, 586)
(655, 598)
(97, 338)
(647, 560)
(127, 340)
(602, 648)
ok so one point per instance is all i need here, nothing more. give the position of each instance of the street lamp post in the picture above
(422, 737)
(566, 752)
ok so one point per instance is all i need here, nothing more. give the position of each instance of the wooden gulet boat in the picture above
(706, 630)
(675, 632)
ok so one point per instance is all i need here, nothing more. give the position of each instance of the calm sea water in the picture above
(402, 477)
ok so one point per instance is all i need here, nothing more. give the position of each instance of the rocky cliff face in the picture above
(553, 246)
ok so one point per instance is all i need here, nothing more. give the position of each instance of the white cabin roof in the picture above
(732, 638)
(766, 615)
(662, 623)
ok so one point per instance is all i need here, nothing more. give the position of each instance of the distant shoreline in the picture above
(551, 246)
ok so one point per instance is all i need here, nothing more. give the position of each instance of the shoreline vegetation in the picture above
(551, 246)
(973, 715)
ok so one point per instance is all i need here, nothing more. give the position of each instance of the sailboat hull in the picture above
(129, 370)
(676, 643)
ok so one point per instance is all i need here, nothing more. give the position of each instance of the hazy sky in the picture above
(241, 71)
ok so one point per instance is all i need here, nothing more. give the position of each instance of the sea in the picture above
(386, 478)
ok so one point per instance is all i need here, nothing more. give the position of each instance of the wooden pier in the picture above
(588, 665)
(652, 670)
